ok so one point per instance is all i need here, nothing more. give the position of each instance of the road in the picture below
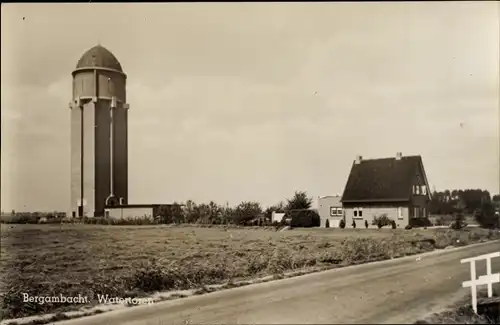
(396, 291)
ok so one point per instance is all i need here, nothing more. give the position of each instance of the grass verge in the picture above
(462, 312)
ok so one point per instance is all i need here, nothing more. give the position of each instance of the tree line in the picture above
(475, 202)
(245, 213)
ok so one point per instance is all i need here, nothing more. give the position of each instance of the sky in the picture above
(240, 102)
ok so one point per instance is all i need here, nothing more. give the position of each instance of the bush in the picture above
(486, 217)
(354, 224)
(366, 224)
(440, 221)
(393, 224)
(342, 224)
(459, 222)
(303, 218)
(382, 221)
(408, 227)
(327, 224)
(420, 222)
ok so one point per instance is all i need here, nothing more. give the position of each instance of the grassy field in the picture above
(50, 260)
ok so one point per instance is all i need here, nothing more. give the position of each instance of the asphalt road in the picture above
(396, 291)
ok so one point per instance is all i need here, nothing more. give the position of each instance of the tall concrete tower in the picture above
(99, 168)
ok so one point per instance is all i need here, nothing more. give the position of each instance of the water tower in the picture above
(99, 153)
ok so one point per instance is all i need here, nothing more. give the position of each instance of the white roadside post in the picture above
(487, 279)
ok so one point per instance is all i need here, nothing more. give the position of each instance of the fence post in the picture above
(487, 279)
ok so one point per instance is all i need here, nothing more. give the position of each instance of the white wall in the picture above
(330, 208)
(369, 212)
(277, 216)
(126, 213)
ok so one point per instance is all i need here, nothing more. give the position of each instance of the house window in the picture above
(424, 190)
(400, 213)
(423, 213)
(333, 211)
(358, 213)
(339, 211)
(417, 189)
(415, 212)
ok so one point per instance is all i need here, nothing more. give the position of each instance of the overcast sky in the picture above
(233, 102)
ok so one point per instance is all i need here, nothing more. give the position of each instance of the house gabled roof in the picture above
(380, 180)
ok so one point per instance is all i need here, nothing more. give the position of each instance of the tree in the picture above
(170, 213)
(226, 214)
(176, 213)
(441, 203)
(215, 215)
(202, 213)
(464, 201)
(354, 224)
(366, 224)
(327, 224)
(496, 201)
(190, 212)
(299, 201)
(342, 224)
(486, 217)
(246, 211)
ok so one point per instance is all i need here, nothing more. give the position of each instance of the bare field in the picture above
(130, 261)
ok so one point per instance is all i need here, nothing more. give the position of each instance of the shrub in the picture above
(420, 222)
(408, 227)
(303, 218)
(354, 224)
(486, 217)
(440, 221)
(366, 224)
(327, 224)
(382, 221)
(393, 224)
(459, 222)
(245, 212)
(342, 224)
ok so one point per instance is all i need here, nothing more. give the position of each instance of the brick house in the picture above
(396, 187)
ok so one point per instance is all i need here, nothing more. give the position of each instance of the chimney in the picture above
(358, 160)
(399, 155)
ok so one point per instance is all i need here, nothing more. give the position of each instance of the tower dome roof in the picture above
(101, 57)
